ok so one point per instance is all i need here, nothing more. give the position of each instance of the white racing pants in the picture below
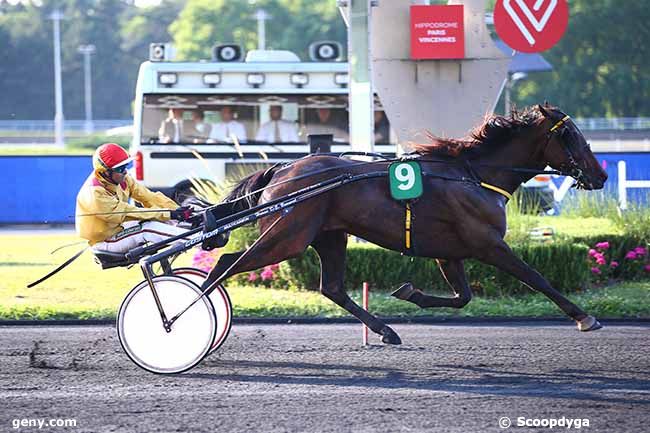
(137, 233)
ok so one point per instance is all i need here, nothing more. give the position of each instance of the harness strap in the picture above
(503, 192)
(559, 123)
(407, 227)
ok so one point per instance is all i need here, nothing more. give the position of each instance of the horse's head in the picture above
(567, 150)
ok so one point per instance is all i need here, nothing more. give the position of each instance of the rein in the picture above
(474, 179)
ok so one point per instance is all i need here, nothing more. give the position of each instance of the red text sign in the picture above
(437, 32)
(531, 26)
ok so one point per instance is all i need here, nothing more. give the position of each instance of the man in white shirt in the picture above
(326, 125)
(224, 130)
(174, 129)
(200, 129)
(277, 130)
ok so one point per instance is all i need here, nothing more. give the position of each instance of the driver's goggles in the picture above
(123, 168)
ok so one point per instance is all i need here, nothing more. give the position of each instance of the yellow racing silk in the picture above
(98, 196)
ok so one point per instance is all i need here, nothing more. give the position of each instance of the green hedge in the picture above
(562, 263)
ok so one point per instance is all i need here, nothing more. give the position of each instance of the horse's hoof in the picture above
(404, 292)
(388, 336)
(589, 323)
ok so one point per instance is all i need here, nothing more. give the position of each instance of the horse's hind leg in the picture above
(454, 273)
(330, 247)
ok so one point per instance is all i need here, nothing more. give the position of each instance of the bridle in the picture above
(570, 167)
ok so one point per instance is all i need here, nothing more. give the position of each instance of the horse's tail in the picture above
(246, 194)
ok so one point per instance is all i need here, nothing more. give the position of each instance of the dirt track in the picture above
(319, 378)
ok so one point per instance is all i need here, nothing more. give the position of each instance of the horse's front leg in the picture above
(502, 257)
(454, 273)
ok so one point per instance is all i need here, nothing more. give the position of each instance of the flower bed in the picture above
(607, 264)
(567, 262)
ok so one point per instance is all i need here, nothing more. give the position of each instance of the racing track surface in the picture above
(319, 378)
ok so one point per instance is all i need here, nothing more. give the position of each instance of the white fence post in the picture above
(622, 187)
(624, 184)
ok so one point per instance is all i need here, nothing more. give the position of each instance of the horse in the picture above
(461, 214)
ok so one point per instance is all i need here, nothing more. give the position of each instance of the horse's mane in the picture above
(493, 133)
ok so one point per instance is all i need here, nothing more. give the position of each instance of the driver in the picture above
(116, 225)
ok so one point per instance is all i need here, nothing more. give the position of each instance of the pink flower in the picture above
(275, 267)
(613, 265)
(599, 256)
(252, 276)
(640, 251)
(203, 266)
(595, 271)
(592, 252)
(267, 274)
(631, 255)
(601, 260)
(203, 260)
(602, 245)
(647, 268)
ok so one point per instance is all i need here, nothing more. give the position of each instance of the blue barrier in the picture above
(638, 168)
(43, 189)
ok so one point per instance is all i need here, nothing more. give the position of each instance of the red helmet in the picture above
(109, 156)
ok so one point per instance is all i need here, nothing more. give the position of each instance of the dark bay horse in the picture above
(455, 218)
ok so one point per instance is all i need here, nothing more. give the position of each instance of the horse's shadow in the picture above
(564, 383)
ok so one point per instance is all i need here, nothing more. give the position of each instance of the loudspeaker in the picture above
(160, 52)
(226, 53)
(325, 51)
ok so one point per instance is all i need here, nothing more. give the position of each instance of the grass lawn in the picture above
(83, 290)
(571, 226)
(579, 226)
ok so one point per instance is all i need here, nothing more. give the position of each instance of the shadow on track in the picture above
(482, 380)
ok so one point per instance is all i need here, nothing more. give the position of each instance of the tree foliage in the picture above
(293, 25)
(601, 66)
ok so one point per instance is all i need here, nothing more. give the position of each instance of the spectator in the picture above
(173, 129)
(326, 125)
(200, 129)
(382, 128)
(277, 130)
(224, 130)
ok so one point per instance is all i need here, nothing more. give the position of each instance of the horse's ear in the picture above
(543, 111)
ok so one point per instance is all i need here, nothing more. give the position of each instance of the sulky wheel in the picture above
(220, 301)
(143, 336)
